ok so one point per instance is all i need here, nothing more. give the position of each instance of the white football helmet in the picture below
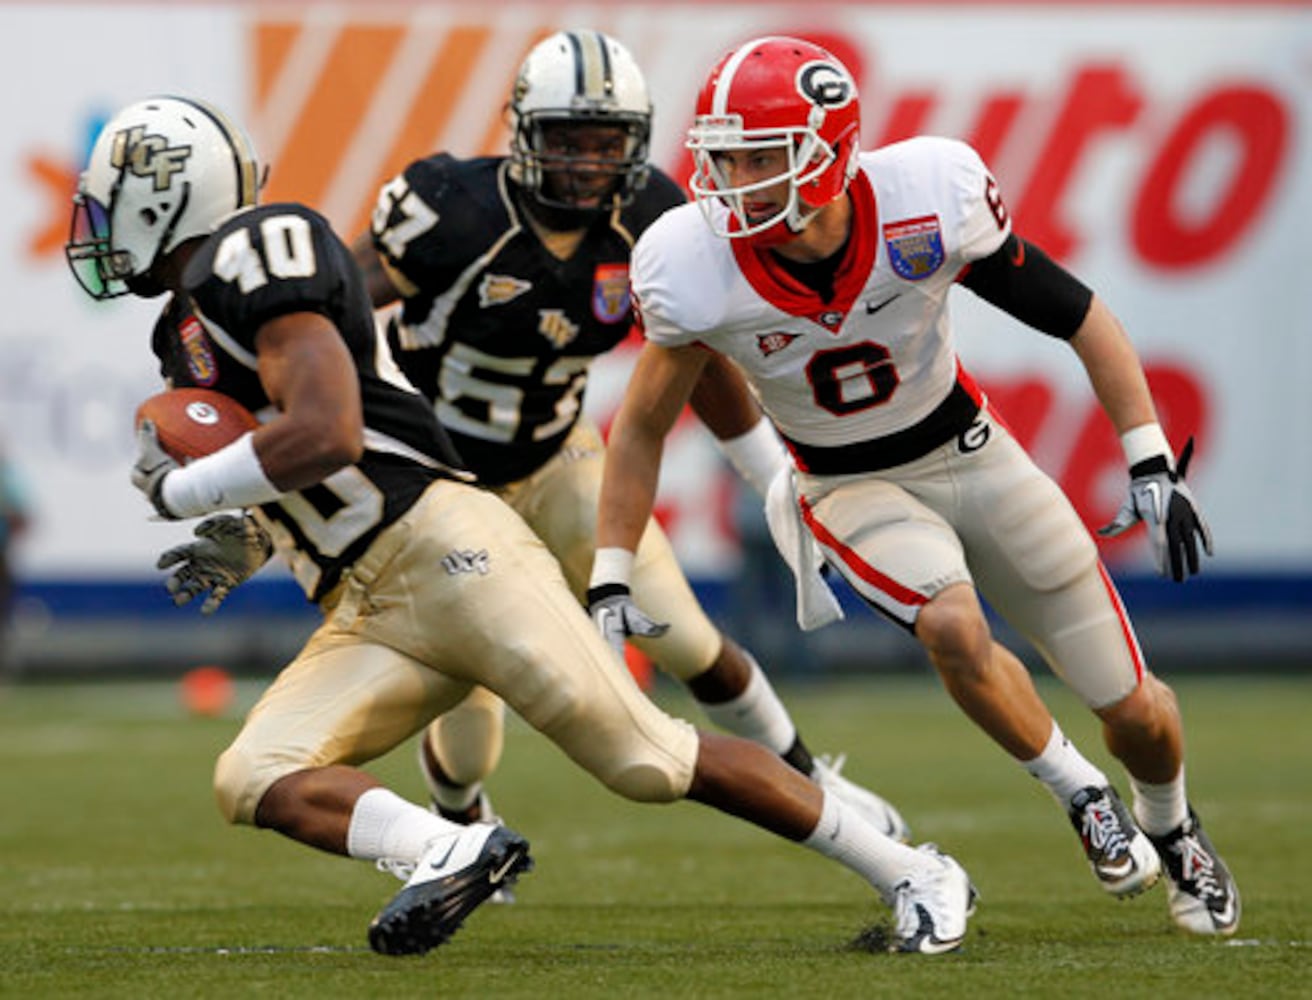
(775, 93)
(583, 78)
(162, 171)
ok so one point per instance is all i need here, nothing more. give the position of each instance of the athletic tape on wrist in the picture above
(1144, 442)
(231, 477)
(611, 565)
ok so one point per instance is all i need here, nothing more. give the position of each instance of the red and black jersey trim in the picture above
(946, 421)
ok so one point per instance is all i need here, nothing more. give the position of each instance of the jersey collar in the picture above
(774, 284)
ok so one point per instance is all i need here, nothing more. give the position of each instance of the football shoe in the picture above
(1203, 896)
(1120, 854)
(457, 873)
(930, 908)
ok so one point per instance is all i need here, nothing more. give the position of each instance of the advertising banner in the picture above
(1162, 151)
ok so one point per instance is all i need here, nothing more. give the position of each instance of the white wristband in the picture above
(1144, 442)
(230, 477)
(611, 565)
(757, 455)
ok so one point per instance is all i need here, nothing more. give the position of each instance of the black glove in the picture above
(617, 617)
(1160, 498)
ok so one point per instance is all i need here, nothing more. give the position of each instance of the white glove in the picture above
(228, 550)
(152, 465)
(617, 617)
(1160, 498)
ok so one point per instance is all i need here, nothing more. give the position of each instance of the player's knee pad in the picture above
(233, 786)
(242, 776)
(644, 781)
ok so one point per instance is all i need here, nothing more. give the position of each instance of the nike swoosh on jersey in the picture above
(1018, 255)
(874, 307)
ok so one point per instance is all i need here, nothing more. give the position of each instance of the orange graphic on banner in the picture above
(322, 142)
(59, 182)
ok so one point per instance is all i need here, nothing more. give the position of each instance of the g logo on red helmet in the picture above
(826, 85)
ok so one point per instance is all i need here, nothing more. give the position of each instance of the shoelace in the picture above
(906, 918)
(834, 764)
(401, 869)
(1103, 831)
(1196, 866)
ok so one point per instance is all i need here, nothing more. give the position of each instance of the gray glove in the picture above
(152, 465)
(228, 550)
(1160, 498)
(617, 617)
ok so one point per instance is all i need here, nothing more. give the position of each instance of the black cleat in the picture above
(1203, 896)
(458, 872)
(1119, 853)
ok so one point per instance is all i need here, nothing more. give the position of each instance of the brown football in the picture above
(191, 422)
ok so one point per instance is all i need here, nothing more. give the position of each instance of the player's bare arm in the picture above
(384, 283)
(1114, 370)
(661, 385)
(309, 376)
(722, 400)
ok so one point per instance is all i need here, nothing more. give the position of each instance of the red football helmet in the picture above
(780, 93)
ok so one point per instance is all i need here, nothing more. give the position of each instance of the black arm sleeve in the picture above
(1022, 280)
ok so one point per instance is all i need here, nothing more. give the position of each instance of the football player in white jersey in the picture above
(824, 273)
(512, 272)
(429, 585)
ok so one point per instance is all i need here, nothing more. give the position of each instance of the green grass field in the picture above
(118, 878)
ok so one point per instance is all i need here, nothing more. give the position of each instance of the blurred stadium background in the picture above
(1161, 150)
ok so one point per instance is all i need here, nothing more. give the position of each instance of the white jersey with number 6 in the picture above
(879, 357)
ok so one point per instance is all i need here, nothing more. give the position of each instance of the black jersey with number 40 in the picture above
(268, 262)
(501, 331)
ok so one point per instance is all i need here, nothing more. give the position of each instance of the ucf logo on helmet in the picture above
(825, 84)
(149, 156)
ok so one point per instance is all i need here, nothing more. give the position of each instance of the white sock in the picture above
(757, 714)
(845, 837)
(1063, 768)
(1160, 809)
(384, 825)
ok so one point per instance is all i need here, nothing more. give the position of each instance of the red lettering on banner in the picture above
(1100, 99)
(994, 124)
(1090, 464)
(1257, 123)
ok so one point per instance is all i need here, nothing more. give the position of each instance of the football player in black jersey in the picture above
(429, 585)
(513, 272)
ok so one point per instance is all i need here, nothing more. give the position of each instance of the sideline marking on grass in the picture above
(311, 949)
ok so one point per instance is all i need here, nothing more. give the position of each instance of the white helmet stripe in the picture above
(720, 100)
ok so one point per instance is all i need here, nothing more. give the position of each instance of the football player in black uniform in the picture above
(429, 585)
(513, 276)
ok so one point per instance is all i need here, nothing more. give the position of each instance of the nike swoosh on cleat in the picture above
(497, 874)
(437, 865)
(874, 307)
(1018, 255)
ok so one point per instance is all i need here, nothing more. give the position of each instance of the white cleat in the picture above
(931, 907)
